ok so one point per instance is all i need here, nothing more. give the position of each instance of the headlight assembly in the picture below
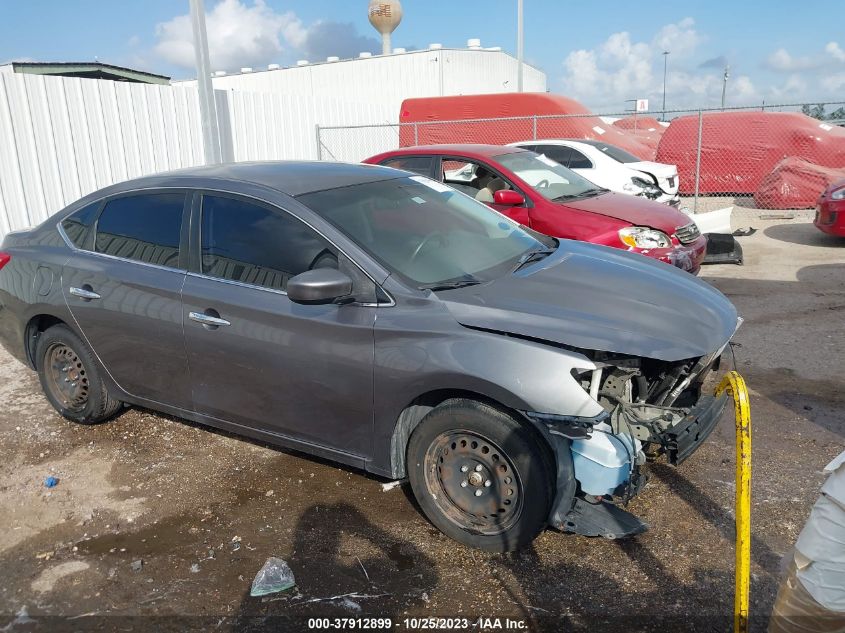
(644, 237)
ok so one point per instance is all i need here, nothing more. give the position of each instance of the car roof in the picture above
(562, 142)
(293, 178)
(465, 149)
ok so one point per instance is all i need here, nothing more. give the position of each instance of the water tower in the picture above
(385, 16)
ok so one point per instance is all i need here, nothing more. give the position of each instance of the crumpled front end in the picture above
(651, 409)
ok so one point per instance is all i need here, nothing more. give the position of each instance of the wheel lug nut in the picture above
(478, 493)
(478, 468)
(464, 484)
(488, 483)
(464, 469)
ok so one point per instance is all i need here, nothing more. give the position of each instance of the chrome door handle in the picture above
(82, 293)
(205, 319)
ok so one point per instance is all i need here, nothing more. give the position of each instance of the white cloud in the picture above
(620, 69)
(834, 83)
(243, 34)
(680, 39)
(782, 61)
(835, 51)
(238, 35)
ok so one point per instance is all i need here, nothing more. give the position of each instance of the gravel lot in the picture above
(203, 510)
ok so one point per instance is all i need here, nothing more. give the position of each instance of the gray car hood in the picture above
(599, 298)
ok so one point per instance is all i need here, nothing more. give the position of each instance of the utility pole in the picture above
(725, 85)
(520, 44)
(208, 108)
(665, 63)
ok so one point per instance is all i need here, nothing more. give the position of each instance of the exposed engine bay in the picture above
(646, 397)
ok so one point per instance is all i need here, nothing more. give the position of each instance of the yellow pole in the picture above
(734, 384)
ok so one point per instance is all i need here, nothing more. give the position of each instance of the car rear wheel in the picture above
(481, 476)
(71, 379)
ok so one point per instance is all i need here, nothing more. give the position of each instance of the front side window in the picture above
(144, 228)
(557, 153)
(473, 179)
(424, 231)
(256, 245)
(76, 226)
(547, 177)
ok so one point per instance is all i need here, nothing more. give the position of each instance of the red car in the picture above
(547, 197)
(830, 210)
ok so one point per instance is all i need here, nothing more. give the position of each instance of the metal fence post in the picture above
(319, 142)
(416, 133)
(535, 127)
(698, 161)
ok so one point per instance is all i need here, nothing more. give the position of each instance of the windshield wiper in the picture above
(448, 285)
(533, 256)
(583, 194)
(591, 192)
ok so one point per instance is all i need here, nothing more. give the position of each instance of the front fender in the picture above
(515, 373)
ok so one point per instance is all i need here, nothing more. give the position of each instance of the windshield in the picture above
(423, 230)
(548, 178)
(616, 153)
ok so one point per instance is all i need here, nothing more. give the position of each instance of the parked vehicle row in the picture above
(612, 167)
(543, 195)
(386, 321)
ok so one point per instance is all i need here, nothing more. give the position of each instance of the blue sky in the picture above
(600, 54)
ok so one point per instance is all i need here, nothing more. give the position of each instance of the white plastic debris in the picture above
(718, 221)
(274, 577)
(390, 485)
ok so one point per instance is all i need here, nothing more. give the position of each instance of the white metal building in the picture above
(388, 80)
(62, 137)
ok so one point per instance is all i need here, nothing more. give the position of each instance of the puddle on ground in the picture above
(163, 537)
(402, 560)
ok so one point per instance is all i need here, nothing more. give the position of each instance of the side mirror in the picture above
(508, 197)
(322, 285)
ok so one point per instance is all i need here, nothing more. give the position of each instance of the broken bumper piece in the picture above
(601, 519)
(684, 438)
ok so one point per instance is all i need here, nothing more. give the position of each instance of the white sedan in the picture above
(611, 167)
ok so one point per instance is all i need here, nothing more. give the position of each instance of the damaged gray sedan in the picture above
(381, 320)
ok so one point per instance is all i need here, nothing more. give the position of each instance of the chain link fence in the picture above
(768, 157)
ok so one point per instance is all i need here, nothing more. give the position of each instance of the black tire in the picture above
(60, 352)
(501, 502)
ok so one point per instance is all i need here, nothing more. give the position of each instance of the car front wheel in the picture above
(482, 477)
(71, 379)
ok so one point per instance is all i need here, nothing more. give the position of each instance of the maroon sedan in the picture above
(830, 210)
(547, 197)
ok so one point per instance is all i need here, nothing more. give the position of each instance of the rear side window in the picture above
(256, 245)
(422, 165)
(76, 226)
(579, 161)
(144, 228)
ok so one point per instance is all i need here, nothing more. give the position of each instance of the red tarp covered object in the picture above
(738, 149)
(795, 184)
(646, 129)
(429, 112)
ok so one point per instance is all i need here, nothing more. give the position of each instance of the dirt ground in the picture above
(202, 510)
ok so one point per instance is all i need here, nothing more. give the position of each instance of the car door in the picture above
(256, 358)
(123, 284)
